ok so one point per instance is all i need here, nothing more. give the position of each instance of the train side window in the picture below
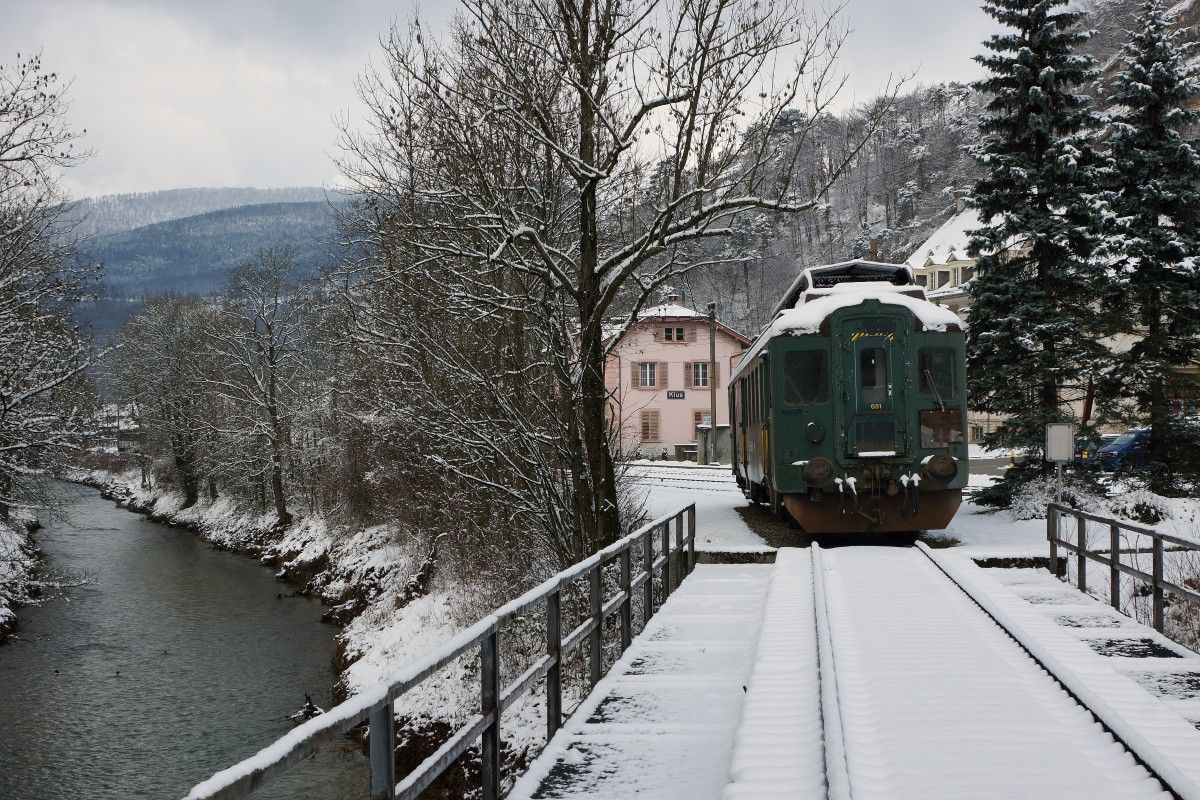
(805, 377)
(872, 374)
(935, 368)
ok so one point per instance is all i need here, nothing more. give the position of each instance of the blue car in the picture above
(1128, 451)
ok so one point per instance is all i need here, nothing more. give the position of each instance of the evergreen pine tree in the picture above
(1155, 227)
(1034, 313)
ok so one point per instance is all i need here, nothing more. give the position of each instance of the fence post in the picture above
(648, 568)
(1081, 557)
(596, 657)
(554, 676)
(1158, 587)
(627, 603)
(490, 697)
(382, 737)
(681, 553)
(1114, 574)
(666, 567)
(1052, 536)
(691, 561)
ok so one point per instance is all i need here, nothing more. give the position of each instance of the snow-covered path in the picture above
(661, 724)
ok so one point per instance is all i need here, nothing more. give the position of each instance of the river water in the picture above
(171, 662)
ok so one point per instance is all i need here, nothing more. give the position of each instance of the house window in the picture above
(922, 280)
(699, 418)
(675, 335)
(650, 427)
(697, 374)
(649, 375)
(943, 278)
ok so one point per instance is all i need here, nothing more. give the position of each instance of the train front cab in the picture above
(863, 425)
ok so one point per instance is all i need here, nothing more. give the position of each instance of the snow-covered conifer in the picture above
(1034, 316)
(1155, 242)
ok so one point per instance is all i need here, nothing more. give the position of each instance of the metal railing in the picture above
(1158, 584)
(660, 558)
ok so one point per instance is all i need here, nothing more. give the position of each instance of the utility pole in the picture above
(712, 383)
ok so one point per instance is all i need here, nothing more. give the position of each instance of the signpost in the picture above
(1060, 449)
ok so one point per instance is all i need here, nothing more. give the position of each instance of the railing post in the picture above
(680, 553)
(666, 567)
(490, 697)
(1158, 587)
(1114, 573)
(648, 568)
(1081, 556)
(381, 734)
(691, 561)
(1052, 536)
(596, 657)
(627, 603)
(554, 676)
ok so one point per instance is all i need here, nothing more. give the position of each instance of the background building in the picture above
(659, 378)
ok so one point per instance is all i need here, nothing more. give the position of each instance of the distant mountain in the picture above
(193, 254)
(122, 212)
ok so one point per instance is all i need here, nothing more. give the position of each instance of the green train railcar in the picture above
(849, 409)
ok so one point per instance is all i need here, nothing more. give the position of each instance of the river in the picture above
(172, 661)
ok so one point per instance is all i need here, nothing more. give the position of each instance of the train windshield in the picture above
(935, 370)
(872, 372)
(805, 377)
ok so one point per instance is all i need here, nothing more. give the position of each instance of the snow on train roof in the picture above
(816, 305)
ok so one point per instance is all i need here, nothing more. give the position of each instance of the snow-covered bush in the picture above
(1031, 499)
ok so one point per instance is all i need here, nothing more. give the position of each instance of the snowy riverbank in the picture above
(18, 566)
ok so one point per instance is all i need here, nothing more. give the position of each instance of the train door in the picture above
(873, 391)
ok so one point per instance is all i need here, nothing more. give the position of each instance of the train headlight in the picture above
(818, 473)
(941, 468)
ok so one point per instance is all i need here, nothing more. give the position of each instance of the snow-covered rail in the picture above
(875, 673)
(934, 699)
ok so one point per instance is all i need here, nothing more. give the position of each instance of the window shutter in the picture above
(634, 374)
(687, 375)
(650, 426)
(691, 333)
(661, 378)
(715, 375)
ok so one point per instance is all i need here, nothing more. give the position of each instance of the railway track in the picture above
(685, 477)
(921, 693)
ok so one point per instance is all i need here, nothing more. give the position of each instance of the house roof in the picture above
(671, 311)
(948, 243)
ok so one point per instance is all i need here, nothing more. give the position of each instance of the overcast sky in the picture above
(177, 93)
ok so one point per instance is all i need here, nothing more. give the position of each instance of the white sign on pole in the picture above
(1060, 442)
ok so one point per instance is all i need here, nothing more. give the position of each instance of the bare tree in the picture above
(549, 164)
(161, 369)
(43, 356)
(261, 348)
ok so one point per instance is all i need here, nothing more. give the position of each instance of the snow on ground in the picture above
(17, 564)
(661, 723)
(670, 485)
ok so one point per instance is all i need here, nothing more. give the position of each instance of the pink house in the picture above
(659, 377)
